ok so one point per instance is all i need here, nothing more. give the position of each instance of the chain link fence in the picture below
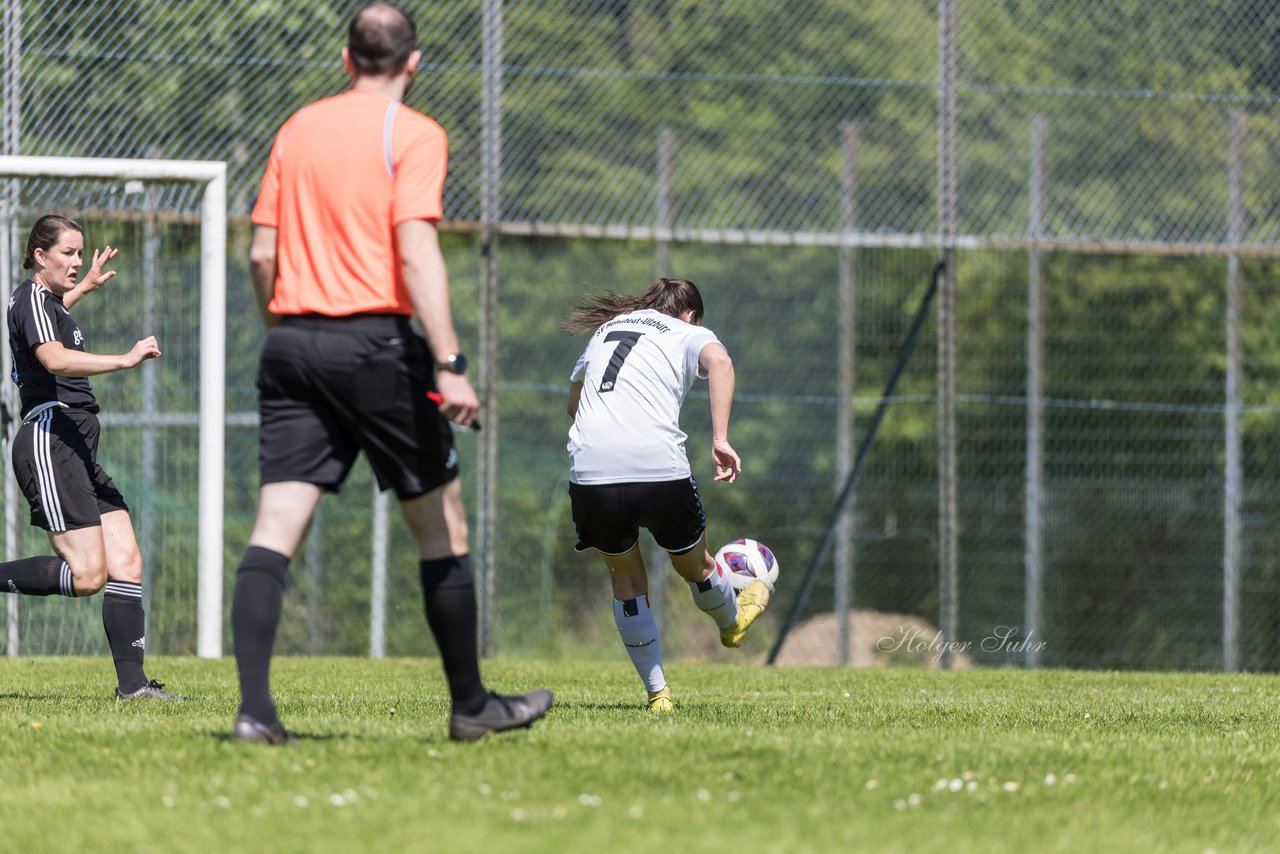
(1101, 174)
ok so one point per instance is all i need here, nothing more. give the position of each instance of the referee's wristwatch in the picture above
(454, 363)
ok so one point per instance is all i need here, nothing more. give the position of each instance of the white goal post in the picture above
(213, 322)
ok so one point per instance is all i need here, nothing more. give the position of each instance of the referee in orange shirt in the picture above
(344, 253)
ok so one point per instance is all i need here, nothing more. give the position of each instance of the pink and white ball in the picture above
(747, 560)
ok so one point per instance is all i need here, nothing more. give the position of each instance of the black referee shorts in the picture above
(55, 459)
(330, 387)
(609, 516)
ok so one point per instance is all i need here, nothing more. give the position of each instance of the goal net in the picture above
(163, 423)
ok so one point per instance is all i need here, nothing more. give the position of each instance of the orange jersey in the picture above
(343, 173)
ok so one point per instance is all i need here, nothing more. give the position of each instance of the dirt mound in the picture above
(876, 639)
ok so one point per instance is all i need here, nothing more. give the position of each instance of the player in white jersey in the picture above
(628, 467)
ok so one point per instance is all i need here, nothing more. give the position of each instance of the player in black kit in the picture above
(55, 451)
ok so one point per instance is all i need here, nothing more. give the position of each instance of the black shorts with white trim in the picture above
(609, 516)
(55, 459)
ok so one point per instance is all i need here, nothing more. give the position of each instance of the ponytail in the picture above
(672, 297)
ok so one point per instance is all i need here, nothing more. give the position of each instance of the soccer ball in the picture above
(747, 560)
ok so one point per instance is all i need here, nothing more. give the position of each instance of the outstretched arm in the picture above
(60, 361)
(715, 362)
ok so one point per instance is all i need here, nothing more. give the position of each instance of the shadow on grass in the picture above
(600, 707)
(300, 738)
(61, 699)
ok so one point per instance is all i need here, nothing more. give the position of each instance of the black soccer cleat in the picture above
(499, 714)
(153, 690)
(247, 728)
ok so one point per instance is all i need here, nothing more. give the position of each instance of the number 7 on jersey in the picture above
(626, 340)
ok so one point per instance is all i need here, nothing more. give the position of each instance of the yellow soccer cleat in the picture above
(752, 600)
(660, 702)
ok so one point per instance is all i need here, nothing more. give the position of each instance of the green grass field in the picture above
(753, 759)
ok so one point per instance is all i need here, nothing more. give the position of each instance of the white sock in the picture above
(715, 596)
(639, 631)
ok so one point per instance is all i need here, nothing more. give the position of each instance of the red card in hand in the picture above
(434, 397)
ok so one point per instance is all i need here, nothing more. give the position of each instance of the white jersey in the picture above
(635, 373)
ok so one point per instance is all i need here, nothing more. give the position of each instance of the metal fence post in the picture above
(378, 576)
(150, 399)
(664, 217)
(948, 558)
(490, 216)
(10, 143)
(664, 211)
(315, 570)
(846, 383)
(1033, 510)
(8, 400)
(1233, 474)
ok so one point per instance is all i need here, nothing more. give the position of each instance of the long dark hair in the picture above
(44, 235)
(670, 296)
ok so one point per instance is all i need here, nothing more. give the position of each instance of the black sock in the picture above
(449, 596)
(37, 576)
(255, 614)
(126, 627)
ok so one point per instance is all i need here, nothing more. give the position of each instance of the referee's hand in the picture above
(458, 400)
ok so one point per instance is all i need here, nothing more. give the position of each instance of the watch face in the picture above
(457, 363)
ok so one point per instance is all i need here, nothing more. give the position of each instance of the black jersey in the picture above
(37, 317)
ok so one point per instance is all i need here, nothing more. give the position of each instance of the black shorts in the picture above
(330, 387)
(609, 516)
(55, 458)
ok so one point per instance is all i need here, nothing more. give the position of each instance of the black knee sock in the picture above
(37, 576)
(126, 627)
(255, 614)
(449, 596)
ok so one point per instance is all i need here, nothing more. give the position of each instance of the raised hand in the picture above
(94, 278)
(97, 277)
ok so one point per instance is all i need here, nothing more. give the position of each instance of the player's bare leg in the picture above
(85, 553)
(627, 574)
(284, 513)
(78, 567)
